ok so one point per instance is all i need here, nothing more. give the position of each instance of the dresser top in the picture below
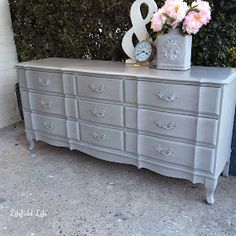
(197, 74)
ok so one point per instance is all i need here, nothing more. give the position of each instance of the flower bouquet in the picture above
(174, 24)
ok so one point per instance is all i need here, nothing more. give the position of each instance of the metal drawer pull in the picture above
(49, 126)
(43, 82)
(96, 89)
(99, 138)
(168, 98)
(46, 105)
(167, 126)
(99, 114)
(166, 153)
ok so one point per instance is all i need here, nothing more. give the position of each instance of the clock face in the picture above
(143, 51)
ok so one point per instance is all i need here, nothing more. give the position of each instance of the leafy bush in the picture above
(216, 43)
(94, 29)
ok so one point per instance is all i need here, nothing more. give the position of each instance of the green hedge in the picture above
(94, 29)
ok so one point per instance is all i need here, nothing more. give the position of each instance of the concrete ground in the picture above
(54, 191)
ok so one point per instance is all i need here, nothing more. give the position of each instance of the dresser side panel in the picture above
(22, 78)
(25, 99)
(226, 126)
(28, 120)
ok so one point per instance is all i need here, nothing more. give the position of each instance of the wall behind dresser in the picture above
(8, 78)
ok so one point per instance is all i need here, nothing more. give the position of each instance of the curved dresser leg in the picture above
(210, 185)
(31, 140)
(226, 169)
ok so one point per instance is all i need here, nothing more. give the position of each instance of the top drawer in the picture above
(92, 87)
(44, 81)
(196, 99)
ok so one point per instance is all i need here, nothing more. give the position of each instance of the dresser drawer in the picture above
(102, 136)
(101, 113)
(196, 99)
(92, 87)
(173, 125)
(44, 81)
(53, 126)
(47, 104)
(194, 157)
(50, 104)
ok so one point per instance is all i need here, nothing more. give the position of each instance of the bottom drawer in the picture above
(102, 136)
(55, 126)
(191, 156)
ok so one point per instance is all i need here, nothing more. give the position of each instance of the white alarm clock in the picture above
(144, 51)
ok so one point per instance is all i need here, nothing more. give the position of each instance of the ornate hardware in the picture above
(46, 105)
(99, 114)
(49, 126)
(168, 98)
(43, 82)
(167, 126)
(99, 138)
(99, 89)
(166, 153)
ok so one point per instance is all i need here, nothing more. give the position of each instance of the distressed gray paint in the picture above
(178, 124)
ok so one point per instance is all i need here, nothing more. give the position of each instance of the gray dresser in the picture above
(174, 123)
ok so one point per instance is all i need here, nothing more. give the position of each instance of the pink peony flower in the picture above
(196, 19)
(192, 23)
(204, 10)
(177, 10)
(158, 21)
